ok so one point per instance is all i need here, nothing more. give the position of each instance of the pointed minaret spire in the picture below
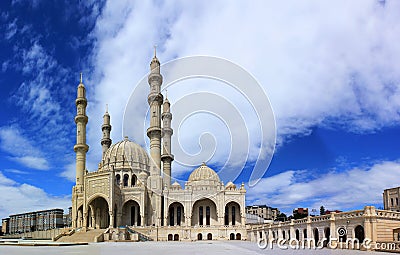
(81, 80)
(106, 129)
(155, 50)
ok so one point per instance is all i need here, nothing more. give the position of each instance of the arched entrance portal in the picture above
(99, 214)
(238, 236)
(204, 212)
(176, 215)
(359, 233)
(232, 214)
(232, 236)
(131, 214)
(79, 222)
(209, 236)
(199, 236)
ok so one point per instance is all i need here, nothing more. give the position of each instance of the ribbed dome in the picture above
(203, 173)
(126, 153)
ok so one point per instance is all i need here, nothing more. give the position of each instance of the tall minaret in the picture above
(80, 147)
(166, 156)
(155, 100)
(106, 128)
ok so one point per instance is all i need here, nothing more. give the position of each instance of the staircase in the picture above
(82, 236)
(142, 237)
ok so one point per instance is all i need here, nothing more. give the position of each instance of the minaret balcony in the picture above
(155, 77)
(81, 100)
(81, 148)
(81, 118)
(166, 156)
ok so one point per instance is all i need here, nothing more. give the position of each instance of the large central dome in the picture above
(203, 173)
(126, 154)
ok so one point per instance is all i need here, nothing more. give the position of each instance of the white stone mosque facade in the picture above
(132, 189)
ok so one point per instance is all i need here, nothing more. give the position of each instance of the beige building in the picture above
(376, 229)
(263, 211)
(34, 221)
(391, 199)
(133, 188)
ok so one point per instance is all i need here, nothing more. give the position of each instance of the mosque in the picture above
(132, 189)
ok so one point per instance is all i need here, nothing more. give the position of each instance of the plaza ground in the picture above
(176, 248)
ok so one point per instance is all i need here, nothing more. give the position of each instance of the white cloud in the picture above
(69, 172)
(318, 67)
(32, 162)
(19, 198)
(21, 149)
(351, 188)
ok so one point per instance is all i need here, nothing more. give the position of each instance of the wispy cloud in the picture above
(346, 189)
(11, 29)
(21, 149)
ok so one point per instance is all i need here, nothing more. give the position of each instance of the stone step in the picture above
(82, 236)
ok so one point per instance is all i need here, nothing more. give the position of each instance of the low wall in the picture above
(45, 234)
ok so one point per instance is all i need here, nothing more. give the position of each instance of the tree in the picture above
(281, 217)
(322, 210)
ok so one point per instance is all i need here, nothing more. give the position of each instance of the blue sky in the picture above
(330, 71)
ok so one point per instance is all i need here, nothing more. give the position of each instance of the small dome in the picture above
(231, 186)
(126, 153)
(203, 173)
(176, 185)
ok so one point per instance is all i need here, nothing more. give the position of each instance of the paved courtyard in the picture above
(177, 248)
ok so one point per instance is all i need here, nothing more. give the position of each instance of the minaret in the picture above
(80, 147)
(155, 100)
(106, 129)
(154, 182)
(166, 156)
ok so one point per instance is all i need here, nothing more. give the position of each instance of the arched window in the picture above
(178, 215)
(134, 180)
(170, 237)
(176, 237)
(118, 179)
(238, 236)
(199, 237)
(283, 234)
(232, 236)
(208, 216)
(233, 215)
(391, 201)
(297, 235)
(209, 236)
(316, 236)
(226, 215)
(126, 178)
(305, 233)
(201, 215)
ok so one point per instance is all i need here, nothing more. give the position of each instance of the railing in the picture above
(141, 236)
(388, 214)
